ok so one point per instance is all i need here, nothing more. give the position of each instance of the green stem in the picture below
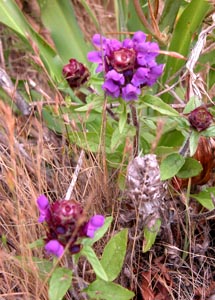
(136, 124)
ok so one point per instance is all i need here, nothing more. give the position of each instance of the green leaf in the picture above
(163, 150)
(171, 138)
(114, 254)
(171, 165)
(193, 142)
(88, 252)
(193, 103)
(119, 138)
(150, 235)
(60, 282)
(96, 102)
(190, 168)
(122, 117)
(99, 233)
(204, 197)
(44, 266)
(101, 290)
(209, 132)
(59, 18)
(36, 244)
(185, 28)
(160, 106)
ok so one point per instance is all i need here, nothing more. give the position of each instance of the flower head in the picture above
(66, 223)
(200, 118)
(128, 65)
(75, 73)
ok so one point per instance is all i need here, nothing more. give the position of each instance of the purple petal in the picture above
(148, 47)
(97, 221)
(112, 45)
(140, 77)
(128, 43)
(43, 202)
(130, 92)
(43, 206)
(154, 73)
(139, 37)
(94, 224)
(100, 68)
(111, 88)
(98, 40)
(54, 247)
(115, 76)
(95, 56)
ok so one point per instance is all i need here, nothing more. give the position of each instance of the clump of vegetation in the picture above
(107, 150)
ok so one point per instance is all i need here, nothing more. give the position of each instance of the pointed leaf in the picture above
(160, 106)
(58, 16)
(171, 165)
(150, 235)
(114, 254)
(204, 197)
(101, 290)
(186, 26)
(89, 253)
(194, 140)
(190, 168)
(59, 284)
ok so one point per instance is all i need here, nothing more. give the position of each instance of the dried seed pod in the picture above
(145, 191)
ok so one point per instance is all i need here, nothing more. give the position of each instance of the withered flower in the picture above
(75, 73)
(200, 118)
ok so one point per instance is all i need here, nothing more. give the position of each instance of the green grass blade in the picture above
(11, 16)
(58, 16)
(169, 14)
(189, 22)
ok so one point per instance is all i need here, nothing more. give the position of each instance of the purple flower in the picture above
(128, 65)
(94, 224)
(130, 92)
(66, 223)
(44, 208)
(54, 247)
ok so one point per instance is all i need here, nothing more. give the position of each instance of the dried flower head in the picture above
(200, 118)
(128, 65)
(75, 73)
(145, 191)
(66, 223)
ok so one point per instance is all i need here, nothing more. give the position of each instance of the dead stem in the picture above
(75, 176)
(9, 88)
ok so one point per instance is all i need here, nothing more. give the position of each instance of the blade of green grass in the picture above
(11, 16)
(169, 14)
(189, 21)
(58, 16)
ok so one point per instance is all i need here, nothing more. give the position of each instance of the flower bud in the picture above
(200, 118)
(75, 73)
